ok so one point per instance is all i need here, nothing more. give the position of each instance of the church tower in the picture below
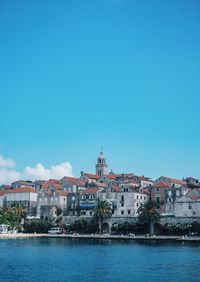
(101, 166)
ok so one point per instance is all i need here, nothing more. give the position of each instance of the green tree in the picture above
(148, 213)
(20, 211)
(102, 211)
(58, 211)
(10, 217)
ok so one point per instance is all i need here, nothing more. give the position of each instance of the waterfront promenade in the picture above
(101, 237)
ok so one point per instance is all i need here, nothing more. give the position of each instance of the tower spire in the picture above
(101, 166)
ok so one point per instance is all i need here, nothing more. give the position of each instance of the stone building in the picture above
(49, 201)
(188, 205)
(101, 166)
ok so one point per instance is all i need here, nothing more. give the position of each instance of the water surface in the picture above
(57, 259)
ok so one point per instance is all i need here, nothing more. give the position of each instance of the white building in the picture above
(2, 199)
(123, 201)
(26, 197)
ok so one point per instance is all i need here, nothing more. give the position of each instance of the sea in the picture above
(80, 260)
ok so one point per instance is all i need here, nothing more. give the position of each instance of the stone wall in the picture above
(116, 219)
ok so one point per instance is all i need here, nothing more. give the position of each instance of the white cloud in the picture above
(6, 162)
(40, 172)
(7, 176)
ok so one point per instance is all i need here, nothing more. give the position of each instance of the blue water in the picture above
(88, 261)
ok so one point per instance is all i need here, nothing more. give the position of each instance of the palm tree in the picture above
(148, 213)
(20, 211)
(102, 211)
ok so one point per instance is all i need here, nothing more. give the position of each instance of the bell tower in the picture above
(101, 166)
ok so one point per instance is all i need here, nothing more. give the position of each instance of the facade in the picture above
(188, 205)
(22, 184)
(87, 202)
(89, 177)
(50, 201)
(172, 181)
(2, 199)
(26, 196)
(72, 184)
(159, 194)
(123, 200)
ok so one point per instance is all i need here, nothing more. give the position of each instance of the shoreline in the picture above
(101, 237)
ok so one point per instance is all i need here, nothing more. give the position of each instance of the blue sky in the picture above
(78, 75)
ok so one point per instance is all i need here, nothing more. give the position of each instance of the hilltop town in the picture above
(125, 192)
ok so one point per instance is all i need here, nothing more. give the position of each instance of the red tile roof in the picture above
(2, 193)
(161, 185)
(144, 178)
(56, 186)
(22, 190)
(175, 181)
(74, 181)
(23, 182)
(145, 191)
(111, 176)
(92, 176)
(102, 185)
(53, 181)
(63, 193)
(6, 186)
(91, 190)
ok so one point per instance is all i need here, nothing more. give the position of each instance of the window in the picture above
(83, 197)
(177, 193)
(157, 199)
(90, 213)
(122, 204)
(190, 206)
(129, 211)
(137, 204)
(170, 200)
(158, 190)
(91, 197)
(169, 193)
(122, 198)
(122, 212)
(140, 197)
(137, 196)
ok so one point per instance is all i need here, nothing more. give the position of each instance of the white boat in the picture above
(3, 229)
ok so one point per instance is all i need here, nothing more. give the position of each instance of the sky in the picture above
(78, 75)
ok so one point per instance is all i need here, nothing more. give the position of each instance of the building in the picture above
(72, 184)
(23, 184)
(159, 194)
(123, 200)
(101, 166)
(88, 199)
(172, 181)
(26, 196)
(50, 201)
(188, 205)
(2, 199)
(89, 177)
